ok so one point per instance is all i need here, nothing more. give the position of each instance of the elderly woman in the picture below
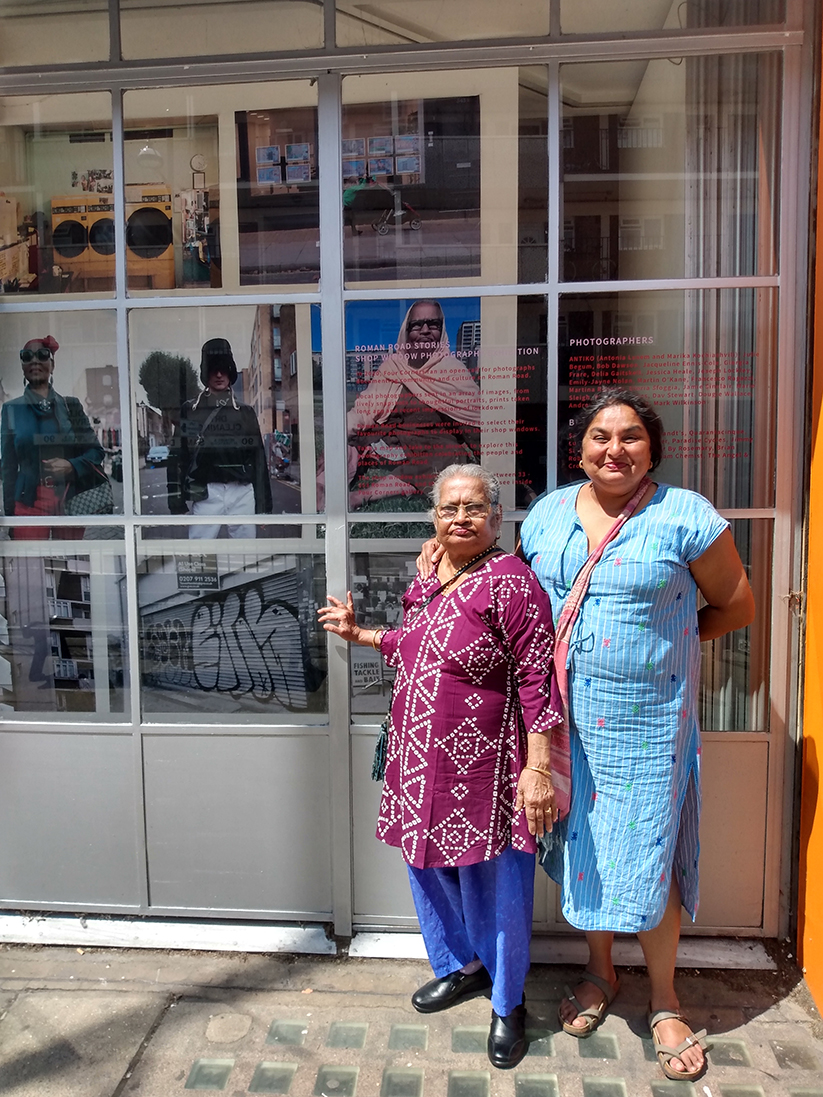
(419, 414)
(50, 452)
(468, 775)
(627, 852)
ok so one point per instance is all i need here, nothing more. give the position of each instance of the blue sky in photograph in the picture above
(378, 322)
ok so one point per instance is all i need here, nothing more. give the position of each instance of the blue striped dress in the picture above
(633, 671)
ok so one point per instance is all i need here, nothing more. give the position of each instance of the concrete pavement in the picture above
(142, 1023)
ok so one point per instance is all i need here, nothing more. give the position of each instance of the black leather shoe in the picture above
(507, 1039)
(451, 990)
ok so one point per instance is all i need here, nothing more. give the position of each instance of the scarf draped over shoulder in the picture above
(443, 383)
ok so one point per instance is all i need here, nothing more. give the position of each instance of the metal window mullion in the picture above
(792, 350)
(216, 69)
(131, 478)
(393, 293)
(330, 24)
(332, 326)
(554, 197)
(554, 18)
(115, 44)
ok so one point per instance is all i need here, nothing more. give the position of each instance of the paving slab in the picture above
(58, 1044)
(77, 1022)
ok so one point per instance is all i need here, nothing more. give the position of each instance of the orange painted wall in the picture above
(810, 898)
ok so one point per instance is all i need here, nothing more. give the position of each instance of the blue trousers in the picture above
(479, 912)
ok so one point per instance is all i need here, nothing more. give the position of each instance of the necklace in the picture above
(460, 571)
(468, 564)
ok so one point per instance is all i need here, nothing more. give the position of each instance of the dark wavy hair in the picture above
(611, 397)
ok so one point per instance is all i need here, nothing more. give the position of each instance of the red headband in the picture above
(48, 341)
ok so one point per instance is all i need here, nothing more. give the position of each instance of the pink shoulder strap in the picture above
(560, 752)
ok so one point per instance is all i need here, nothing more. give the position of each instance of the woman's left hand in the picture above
(535, 794)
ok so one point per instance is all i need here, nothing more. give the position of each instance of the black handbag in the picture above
(381, 747)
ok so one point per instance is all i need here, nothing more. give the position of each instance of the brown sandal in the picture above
(665, 1053)
(594, 1014)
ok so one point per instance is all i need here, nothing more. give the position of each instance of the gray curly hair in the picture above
(490, 483)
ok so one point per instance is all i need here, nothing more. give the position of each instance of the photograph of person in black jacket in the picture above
(217, 462)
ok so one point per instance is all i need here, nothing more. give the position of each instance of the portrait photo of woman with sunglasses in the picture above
(419, 414)
(50, 453)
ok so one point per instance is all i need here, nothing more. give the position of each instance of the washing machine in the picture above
(149, 236)
(70, 233)
(100, 216)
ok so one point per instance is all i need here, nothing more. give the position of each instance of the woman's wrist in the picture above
(540, 769)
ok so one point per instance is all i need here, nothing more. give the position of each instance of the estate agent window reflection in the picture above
(51, 455)
(217, 461)
(418, 415)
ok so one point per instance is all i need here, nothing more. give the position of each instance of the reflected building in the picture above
(270, 386)
(57, 657)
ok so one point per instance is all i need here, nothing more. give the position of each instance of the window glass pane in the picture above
(183, 28)
(223, 433)
(734, 668)
(705, 359)
(378, 582)
(380, 574)
(60, 430)
(277, 198)
(221, 187)
(63, 634)
(734, 671)
(35, 32)
(427, 390)
(594, 17)
(56, 206)
(225, 634)
(425, 198)
(390, 22)
(670, 167)
(533, 176)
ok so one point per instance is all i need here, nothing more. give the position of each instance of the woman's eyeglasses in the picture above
(472, 510)
(39, 355)
(432, 325)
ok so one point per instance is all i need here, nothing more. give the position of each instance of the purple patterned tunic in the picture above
(474, 673)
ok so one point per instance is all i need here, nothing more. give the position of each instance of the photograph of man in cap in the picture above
(217, 462)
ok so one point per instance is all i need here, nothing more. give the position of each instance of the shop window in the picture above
(434, 383)
(38, 33)
(60, 430)
(592, 17)
(184, 28)
(706, 361)
(432, 175)
(231, 634)
(735, 669)
(411, 170)
(389, 22)
(62, 622)
(379, 581)
(222, 433)
(201, 216)
(379, 578)
(56, 203)
(533, 174)
(277, 196)
(674, 172)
